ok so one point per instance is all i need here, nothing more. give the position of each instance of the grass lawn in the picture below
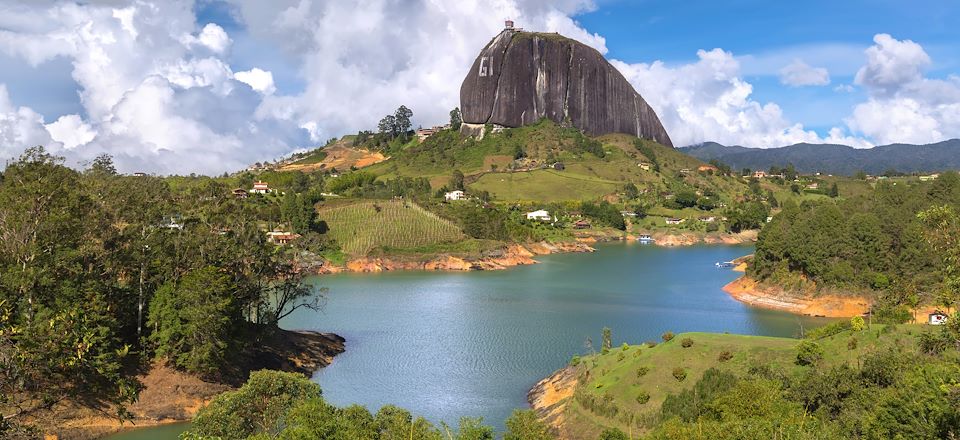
(618, 377)
(543, 186)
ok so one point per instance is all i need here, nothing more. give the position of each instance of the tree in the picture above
(103, 166)
(834, 191)
(525, 425)
(455, 119)
(260, 406)
(612, 434)
(402, 121)
(388, 126)
(192, 320)
(607, 339)
(456, 180)
(287, 293)
(686, 198)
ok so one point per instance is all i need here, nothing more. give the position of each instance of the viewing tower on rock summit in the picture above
(521, 77)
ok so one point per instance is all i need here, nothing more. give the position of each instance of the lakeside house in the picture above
(705, 168)
(675, 221)
(260, 187)
(581, 224)
(281, 238)
(937, 318)
(930, 177)
(645, 238)
(455, 195)
(813, 185)
(628, 213)
(541, 215)
(240, 193)
(708, 219)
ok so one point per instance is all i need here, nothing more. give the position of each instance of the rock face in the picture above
(522, 77)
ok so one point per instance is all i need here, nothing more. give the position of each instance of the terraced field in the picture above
(364, 226)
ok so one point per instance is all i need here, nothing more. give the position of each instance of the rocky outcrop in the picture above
(522, 77)
(749, 291)
(549, 398)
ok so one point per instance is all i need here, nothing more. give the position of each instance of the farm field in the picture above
(362, 227)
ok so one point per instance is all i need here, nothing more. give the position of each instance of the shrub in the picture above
(620, 356)
(643, 397)
(694, 402)
(667, 336)
(613, 434)
(828, 330)
(575, 360)
(650, 344)
(636, 353)
(642, 371)
(686, 343)
(857, 324)
(679, 374)
(725, 356)
(852, 344)
(624, 347)
(809, 353)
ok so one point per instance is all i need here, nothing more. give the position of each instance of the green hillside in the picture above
(361, 227)
(626, 388)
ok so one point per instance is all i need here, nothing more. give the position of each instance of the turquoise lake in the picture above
(450, 344)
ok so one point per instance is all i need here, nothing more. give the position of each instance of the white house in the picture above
(455, 195)
(260, 187)
(937, 318)
(644, 166)
(542, 215)
(675, 221)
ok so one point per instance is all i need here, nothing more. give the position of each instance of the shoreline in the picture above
(549, 398)
(520, 254)
(751, 292)
(170, 396)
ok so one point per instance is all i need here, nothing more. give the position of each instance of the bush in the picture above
(642, 371)
(828, 330)
(857, 323)
(694, 402)
(809, 353)
(624, 347)
(679, 374)
(613, 434)
(667, 336)
(852, 344)
(686, 343)
(650, 344)
(643, 397)
(725, 356)
(575, 360)
(620, 356)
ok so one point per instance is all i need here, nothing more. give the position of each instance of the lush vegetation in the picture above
(874, 243)
(289, 406)
(853, 381)
(101, 272)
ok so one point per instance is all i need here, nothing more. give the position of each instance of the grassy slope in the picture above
(619, 377)
(360, 228)
(544, 186)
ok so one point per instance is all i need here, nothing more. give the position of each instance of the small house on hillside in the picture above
(281, 238)
(424, 133)
(260, 187)
(708, 219)
(937, 318)
(174, 221)
(581, 224)
(455, 195)
(644, 166)
(240, 193)
(929, 177)
(759, 174)
(541, 215)
(675, 221)
(685, 171)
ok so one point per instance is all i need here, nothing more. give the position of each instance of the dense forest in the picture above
(876, 243)
(101, 273)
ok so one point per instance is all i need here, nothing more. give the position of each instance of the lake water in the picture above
(450, 344)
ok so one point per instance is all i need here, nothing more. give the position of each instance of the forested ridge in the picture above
(876, 243)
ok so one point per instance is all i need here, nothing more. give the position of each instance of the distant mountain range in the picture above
(836, 159)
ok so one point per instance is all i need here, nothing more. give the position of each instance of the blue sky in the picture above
(673, 31)
(213, 85)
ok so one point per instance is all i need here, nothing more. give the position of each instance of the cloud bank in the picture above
(159, 93)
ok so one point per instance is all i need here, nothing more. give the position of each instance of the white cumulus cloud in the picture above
(904, 105)
(799, 74)
(258, 79)
(71, 131)
(710, 101)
